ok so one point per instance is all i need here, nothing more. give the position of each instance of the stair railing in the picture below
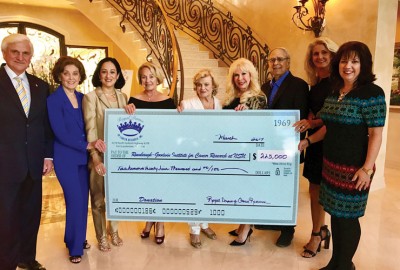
(149, 20)
(218, 31)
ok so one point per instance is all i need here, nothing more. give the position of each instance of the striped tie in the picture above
(22, 95)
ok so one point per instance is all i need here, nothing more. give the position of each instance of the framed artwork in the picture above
(395, 89)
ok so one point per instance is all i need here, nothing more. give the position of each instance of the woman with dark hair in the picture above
(317, 64)
(150, 76)
(70, 151)
(107, 78)
(354, 116)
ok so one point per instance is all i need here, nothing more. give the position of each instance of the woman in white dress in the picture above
(205, 99)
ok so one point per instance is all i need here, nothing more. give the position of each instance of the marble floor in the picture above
(379, 247)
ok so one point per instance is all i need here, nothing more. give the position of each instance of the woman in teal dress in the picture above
(354, 116)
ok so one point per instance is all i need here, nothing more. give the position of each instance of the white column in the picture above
(383, 67)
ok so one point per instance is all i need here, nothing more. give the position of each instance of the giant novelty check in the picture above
(209, 166)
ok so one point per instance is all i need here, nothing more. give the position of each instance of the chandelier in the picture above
(314, 23)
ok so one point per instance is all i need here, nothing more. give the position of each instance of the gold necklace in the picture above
(149, 97)
(208, 105)
(342, 95)
(111, 94)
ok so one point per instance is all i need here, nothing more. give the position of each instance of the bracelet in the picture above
(309, 142)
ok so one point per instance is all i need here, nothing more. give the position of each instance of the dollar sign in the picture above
(254, 156)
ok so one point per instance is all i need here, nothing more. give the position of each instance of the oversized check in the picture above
(210, 166)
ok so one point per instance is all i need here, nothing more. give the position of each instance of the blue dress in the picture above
(345, 147)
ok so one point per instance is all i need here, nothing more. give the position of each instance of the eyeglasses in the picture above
(279, 59)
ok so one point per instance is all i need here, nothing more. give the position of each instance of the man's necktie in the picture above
(274, 89)
(22, 95)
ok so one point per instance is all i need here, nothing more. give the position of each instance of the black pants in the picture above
(20, 210)
(346, 233)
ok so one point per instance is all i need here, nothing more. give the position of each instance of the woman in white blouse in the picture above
(205, 99)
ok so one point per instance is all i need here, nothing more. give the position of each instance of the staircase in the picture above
(131, 43)
(108, 20)
(196, 58)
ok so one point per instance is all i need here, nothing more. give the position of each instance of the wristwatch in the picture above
(368, 171)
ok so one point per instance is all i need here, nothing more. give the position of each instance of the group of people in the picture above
(341, 121)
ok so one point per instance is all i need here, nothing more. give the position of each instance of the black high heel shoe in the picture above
(233, 232)
(75, 259)
(308, 253)
(327, 237)
(145, 234)
(235, 243)
(159, 239)
(86, 245)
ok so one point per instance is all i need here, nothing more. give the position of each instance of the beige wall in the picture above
(76, 28)
(393, 149)
(271, 20)
(392, 156)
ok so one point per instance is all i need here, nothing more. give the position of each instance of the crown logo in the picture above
(130, 128)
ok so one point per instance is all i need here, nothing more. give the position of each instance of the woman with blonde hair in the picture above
(243, 93)
(206, 88)
(243, 89)
(150, 76)
(318, 67)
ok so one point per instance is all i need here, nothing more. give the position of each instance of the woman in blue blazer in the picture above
(70, 151)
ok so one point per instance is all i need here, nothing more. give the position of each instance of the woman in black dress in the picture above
(354, 116)
(150, 76)
(318, 66)
(243, 92)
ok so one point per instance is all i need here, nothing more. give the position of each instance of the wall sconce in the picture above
(315, 23)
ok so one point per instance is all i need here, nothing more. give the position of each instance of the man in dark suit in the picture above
(285, 92)
(25, 154)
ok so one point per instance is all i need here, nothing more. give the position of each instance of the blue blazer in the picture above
(69, 129)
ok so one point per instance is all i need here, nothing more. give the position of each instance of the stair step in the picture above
(207, 63)
(191, 71)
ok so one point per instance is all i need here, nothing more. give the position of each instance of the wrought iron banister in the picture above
(218, 31)
(147, 17)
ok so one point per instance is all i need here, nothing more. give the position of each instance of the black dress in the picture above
(163, 104)
(313, 159)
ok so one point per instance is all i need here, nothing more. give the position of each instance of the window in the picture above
(49, 45)
(89, 56)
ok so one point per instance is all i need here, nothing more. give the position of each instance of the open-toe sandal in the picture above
(209, 233)
(75, 259)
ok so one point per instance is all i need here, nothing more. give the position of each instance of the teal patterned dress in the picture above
(346, 145)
